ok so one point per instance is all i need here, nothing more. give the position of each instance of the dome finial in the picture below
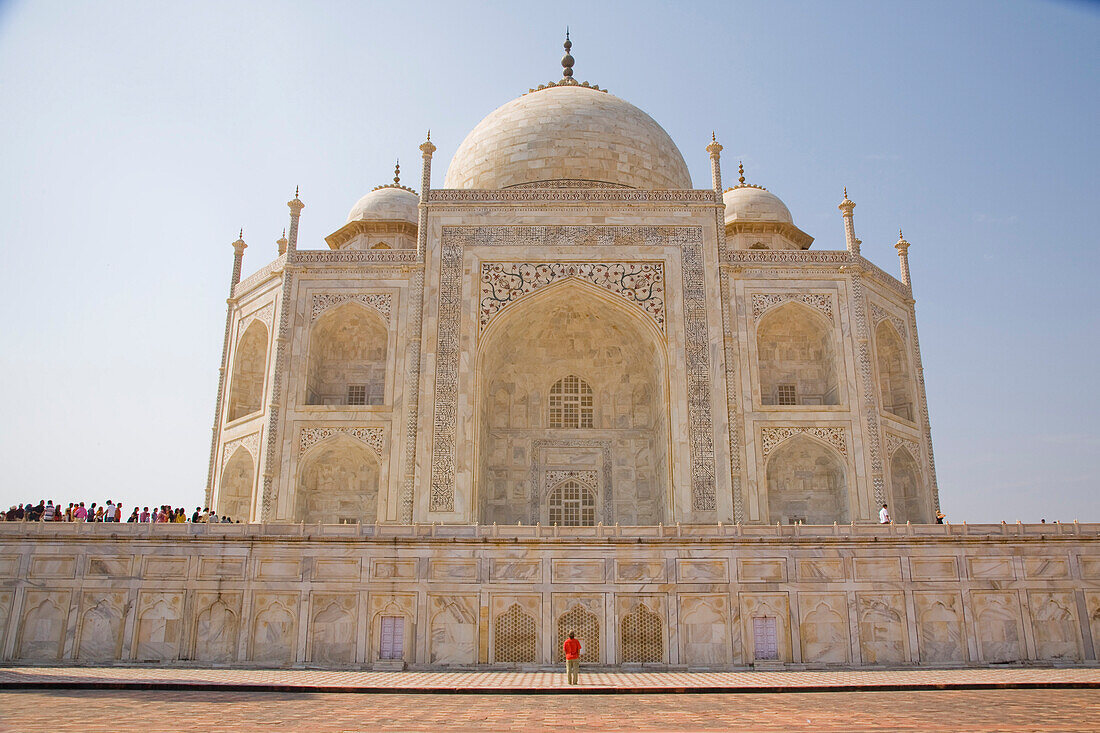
(397, 173)
(741, 173)
(567, 59)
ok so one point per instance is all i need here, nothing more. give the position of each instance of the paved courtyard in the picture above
(127, 699)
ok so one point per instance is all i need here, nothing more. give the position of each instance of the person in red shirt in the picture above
(572, 649)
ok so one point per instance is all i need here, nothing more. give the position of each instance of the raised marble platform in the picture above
(681, 597)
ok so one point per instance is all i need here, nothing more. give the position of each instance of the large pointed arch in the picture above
(797, 357)
(576, 329)
(246, 388)
(348, 357)
(806, 482)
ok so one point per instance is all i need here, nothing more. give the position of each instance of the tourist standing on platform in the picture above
(572, 649)
(884, 516)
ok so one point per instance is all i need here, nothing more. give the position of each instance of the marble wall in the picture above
(435, 596)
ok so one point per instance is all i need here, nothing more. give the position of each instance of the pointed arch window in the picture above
(571, 403)
(572, 504)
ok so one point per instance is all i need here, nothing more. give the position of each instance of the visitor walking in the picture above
(883, 515)
(572, 649)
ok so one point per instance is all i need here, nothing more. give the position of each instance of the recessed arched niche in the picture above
(347, 357)
(246, 388)
(797, 357)
(806, 482)
(338, 483)
(895, 384)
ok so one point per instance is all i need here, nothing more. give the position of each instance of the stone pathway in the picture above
(923, 711)
(537, 682)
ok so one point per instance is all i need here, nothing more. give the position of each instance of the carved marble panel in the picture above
(453, 571)
(1046, 567)
(108, 566)
(933, 568)
(42, 626)
(878, 568)
(940, 629)
(823, 627)
(453, 637)
(577, 571)
(275, 628)
(703, 570)
(333, 627)
(821, 569)
(509, 570)
(704, 629)
(217, 626)
(990, 568)
(159, 629)
(998, 626)
(628, 570)
(53, 566)
(99, 633)
(762, 570)
(1054, 621)
(883, 629)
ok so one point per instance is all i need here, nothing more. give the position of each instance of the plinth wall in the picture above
(698, 596)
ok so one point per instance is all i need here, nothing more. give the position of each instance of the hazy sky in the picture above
(137, 138)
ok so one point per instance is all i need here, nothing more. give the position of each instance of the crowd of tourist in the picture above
(46, 511)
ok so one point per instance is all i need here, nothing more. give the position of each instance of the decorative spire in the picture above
(397, 173)
(846, 207)
(903, 259)
(281, 243)
(295, 192)
(715, 148)
(567, 59)
(426, 147)
(740, 173)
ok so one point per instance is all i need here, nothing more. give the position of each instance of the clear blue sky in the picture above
(138, 137)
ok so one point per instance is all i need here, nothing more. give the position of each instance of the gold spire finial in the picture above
(295, 192)
(567, 59)
(741, 173)
(845, 193)
(397, 173)
(429, 135)
(241, 234)
(713, 138)
(901, 237)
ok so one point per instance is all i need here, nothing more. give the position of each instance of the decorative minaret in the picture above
(715, 165)
(238, 258)
(426, 150)
(846, 207)
(281, 242)
(903, 256)
(296, 207)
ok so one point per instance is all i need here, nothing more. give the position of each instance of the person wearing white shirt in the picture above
(883, 515)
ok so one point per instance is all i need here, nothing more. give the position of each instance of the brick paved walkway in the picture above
(495, 681)
(144, 711)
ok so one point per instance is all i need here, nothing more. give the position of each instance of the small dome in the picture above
(753, 203)
(387, 203)
(568, 134)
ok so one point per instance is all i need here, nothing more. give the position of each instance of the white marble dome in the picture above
(752, 203)
(387, 203)
(570, 135)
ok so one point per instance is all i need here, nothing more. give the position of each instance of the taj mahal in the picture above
(568, 389)
(570, 332)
